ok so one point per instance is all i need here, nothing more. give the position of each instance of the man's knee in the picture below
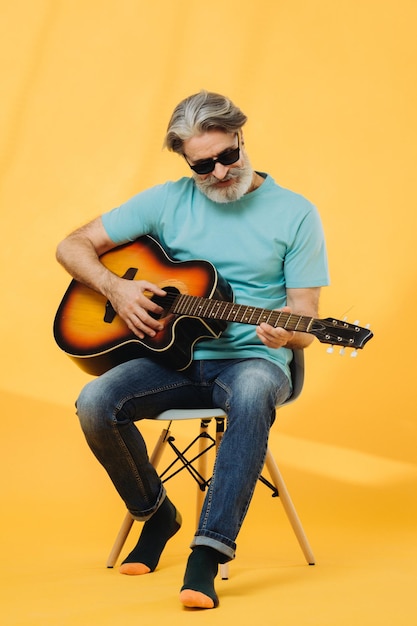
(92, 407)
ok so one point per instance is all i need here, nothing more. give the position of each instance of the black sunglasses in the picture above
(228, 157)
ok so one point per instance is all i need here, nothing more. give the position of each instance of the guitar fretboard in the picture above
(207, 308)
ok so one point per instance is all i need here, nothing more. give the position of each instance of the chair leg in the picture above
(128, 520)
(289, 507)
(120, 541)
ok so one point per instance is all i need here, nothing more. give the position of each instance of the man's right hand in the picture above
(132, 300)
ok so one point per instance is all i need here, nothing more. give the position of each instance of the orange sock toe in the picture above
(196, 600)
(134, 569)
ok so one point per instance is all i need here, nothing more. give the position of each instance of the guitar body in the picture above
(88, 330)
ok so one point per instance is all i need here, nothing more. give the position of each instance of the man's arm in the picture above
(79, 254)
(299, 302)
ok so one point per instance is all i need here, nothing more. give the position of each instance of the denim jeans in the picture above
(248, 390)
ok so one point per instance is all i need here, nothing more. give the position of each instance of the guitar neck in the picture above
(207, 308)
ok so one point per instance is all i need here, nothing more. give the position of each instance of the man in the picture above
(268, 243)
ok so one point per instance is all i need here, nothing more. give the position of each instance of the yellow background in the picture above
(329, 87)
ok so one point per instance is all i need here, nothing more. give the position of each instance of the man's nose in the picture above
(220, 171)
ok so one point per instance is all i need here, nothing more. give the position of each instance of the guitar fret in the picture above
(222, 310)
(179, 305)
(224, 306)
(243, 310)
(199, 310)
(249, 321)
(276, 319)
(263, 317)
(249, 311)
(299, 320)
(268, 320)
(234, 310)
(210, 308)
(194, 306)
(205, 307)
(256, 316)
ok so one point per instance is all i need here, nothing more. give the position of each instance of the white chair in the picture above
(199, 472)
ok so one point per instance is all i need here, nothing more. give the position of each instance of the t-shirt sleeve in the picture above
(136, 217)
(306, 260)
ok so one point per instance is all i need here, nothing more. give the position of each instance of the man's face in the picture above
(225, 183)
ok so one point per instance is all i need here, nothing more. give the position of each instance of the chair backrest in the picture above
(297, 374)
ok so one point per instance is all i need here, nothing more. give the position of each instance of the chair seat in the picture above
(189, 414)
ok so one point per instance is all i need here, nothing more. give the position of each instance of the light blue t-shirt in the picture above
(268, 240)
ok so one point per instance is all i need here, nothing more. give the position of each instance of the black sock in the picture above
(155, 533)
(202, 568)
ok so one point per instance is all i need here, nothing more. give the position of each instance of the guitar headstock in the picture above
(340, 333)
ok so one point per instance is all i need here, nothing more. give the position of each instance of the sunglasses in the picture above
(228, 157)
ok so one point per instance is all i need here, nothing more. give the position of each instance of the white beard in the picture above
(242, 179)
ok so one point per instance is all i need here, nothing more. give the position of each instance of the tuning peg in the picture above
(356, 323)
(354, 353)
(342, 351)
(330, 350)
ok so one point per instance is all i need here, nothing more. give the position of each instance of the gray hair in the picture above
(201, 113)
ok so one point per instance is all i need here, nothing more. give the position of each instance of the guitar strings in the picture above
(239, 311)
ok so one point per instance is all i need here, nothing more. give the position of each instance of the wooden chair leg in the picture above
(128, 520)
(289, 507)
(120, 541)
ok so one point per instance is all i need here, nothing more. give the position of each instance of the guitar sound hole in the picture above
(165, 302)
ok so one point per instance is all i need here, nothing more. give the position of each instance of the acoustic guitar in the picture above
(198, 305)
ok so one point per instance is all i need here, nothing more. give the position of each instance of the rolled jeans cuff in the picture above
(143, 516)
(213, 540)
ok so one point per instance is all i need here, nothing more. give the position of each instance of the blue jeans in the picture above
(248, 390)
